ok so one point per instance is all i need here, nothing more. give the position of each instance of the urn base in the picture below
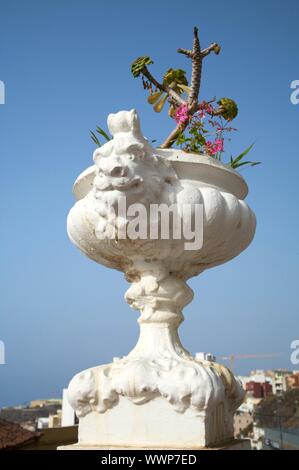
(154, 425)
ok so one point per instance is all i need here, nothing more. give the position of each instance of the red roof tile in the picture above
(12, 435)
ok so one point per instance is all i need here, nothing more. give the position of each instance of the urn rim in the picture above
(198, 167)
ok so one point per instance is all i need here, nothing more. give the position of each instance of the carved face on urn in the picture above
(127, 165)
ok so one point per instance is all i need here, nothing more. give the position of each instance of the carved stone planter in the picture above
(158, 396)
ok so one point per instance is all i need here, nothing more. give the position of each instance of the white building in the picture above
(68, 417)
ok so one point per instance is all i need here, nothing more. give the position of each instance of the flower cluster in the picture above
(212, 148)
(205, 130)
(205, 108)
(181, 114)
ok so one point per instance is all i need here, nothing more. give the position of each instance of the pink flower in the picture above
(209, 147)
(181, 114)
(213, 148)
(209, 108)
(218, 144)
(204, 108)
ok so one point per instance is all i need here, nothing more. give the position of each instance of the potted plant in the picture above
(201, 126)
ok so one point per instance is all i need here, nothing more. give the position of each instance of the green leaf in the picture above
(229, 108)
(139, 64)
(236, 162)
(95, 139)
(245, 163)
(154, 97)
(103, 133)
(175, 77)
(160, 104)
(182, 139)
(242, 155)
(186, 89)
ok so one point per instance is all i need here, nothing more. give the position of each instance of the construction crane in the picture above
(233, 357)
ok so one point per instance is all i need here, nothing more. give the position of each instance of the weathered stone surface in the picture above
(159, 394)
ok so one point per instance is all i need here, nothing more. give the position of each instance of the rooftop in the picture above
(13, 435)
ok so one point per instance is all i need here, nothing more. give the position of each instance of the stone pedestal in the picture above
(237, 444)
(158, 396)
(154, 424)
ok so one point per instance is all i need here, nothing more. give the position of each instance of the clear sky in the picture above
(66, 66)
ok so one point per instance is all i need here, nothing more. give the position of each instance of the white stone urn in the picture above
(159, 395)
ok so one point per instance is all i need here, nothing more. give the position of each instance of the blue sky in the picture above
(66, 66)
